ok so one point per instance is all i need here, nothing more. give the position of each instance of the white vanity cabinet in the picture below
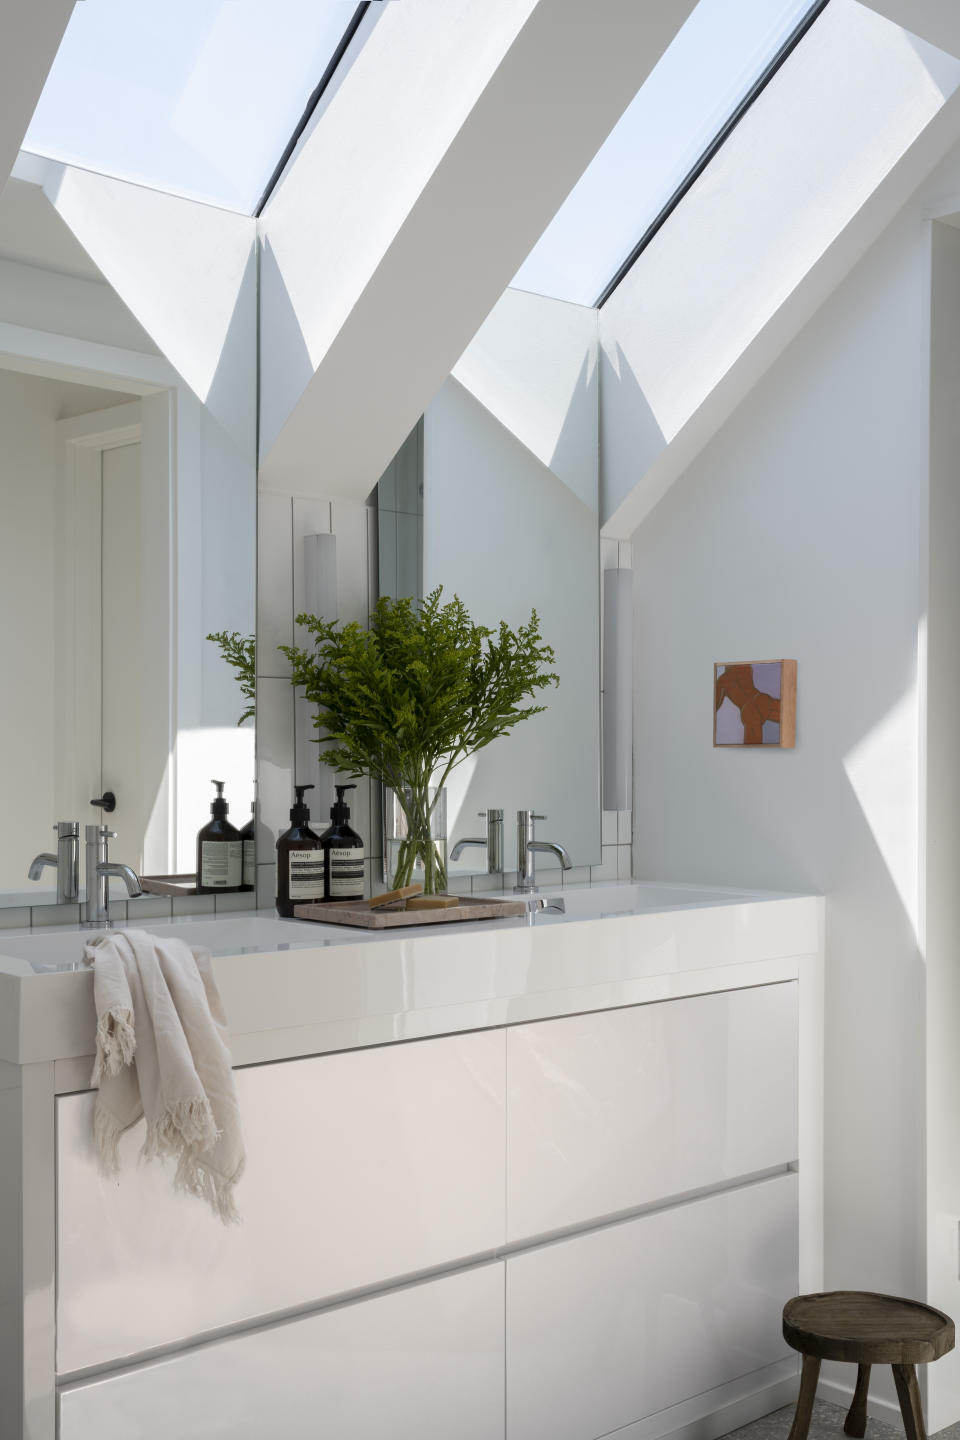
(563, 1193)
(361, 1167)
(620, 1108)
(622, 1324)
(421, 1363)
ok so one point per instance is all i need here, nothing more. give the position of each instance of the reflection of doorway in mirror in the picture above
(32, 540)
(113, 592)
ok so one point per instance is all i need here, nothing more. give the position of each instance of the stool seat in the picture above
(867, 1329)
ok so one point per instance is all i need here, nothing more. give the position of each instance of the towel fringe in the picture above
(106, 1133)
(116, 1043)
(194, 1177)
(187, 1125)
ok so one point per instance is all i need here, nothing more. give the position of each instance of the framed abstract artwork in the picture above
(755, 703)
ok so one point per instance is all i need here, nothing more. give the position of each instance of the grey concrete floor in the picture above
(827, 1424)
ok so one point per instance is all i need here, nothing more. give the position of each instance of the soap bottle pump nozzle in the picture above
(341, 810)
(300, 814)
(219, 808)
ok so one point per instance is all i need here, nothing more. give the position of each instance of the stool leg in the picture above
(808, 1389)
(908, 1393)
(856, 1421)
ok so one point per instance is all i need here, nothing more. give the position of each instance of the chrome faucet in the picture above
(66, 862)
(96, 909)
(492, 843)
(528, 848)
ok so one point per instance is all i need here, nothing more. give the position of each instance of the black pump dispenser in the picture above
(342, 853)
(340, 811)
(299, 859)
(300, 814)
(219, 850)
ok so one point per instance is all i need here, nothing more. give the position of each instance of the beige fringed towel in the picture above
(161, 1053)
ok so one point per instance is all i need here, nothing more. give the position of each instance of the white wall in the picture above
(942, 828)
(800, 532)
(29, 409)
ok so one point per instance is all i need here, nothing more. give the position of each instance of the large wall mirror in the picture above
(494, 497)
(128, 537)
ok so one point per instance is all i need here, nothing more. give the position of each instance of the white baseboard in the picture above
(878, 1408)
(716, 1412)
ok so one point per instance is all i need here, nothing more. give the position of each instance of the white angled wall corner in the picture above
(617, 689)
(320, 576)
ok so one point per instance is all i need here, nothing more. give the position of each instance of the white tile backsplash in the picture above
(148, 907)
(56, 915)
(607, 869)
(266, 885)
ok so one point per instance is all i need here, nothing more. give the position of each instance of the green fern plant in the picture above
(240, 652)
(409, 699)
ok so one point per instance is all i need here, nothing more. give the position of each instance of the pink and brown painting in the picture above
(755, 703)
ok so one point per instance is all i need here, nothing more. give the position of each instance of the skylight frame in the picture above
(204, 141)
(313, 101)
(722, 135)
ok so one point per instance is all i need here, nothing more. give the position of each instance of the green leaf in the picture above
(419, 691)
(240, 651)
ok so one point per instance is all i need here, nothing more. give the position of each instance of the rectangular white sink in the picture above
(61, 948)
(633, 897)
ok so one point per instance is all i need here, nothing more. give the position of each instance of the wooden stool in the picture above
(868, 1330)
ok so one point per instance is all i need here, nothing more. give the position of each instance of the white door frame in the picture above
(77, 649)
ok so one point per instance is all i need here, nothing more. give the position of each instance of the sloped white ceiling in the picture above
(454, 137)
(186, 271)
(846, 130)
(935, 20)
(30, 35)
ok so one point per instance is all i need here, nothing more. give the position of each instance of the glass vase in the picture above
(415, 838)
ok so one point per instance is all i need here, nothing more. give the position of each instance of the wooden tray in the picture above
(358, 913)
(169, 884)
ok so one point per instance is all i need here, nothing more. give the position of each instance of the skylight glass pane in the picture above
(198, 97)
(700, 80)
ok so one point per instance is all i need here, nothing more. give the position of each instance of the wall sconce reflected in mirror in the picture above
(617, 690)
(320, 576)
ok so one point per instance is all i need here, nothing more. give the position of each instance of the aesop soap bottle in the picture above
(299, 859)
(219, 850)
(342, 854)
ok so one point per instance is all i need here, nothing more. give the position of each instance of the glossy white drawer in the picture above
(621, 1108)
(620, 1323)
(361, 1167)
(419, 1364)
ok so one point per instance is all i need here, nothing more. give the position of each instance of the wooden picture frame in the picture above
(755, 704)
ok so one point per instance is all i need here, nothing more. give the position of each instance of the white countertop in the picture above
(295, 988)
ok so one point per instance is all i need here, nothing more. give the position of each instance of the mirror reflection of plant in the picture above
(240, 652)
(412, 697)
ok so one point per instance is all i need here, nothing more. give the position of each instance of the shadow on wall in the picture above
(630, 438)
(285, 365)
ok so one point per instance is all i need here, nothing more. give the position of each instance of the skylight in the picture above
(196, 97)
(712, 64)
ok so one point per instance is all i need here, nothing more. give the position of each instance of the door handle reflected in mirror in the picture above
(107, 802)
